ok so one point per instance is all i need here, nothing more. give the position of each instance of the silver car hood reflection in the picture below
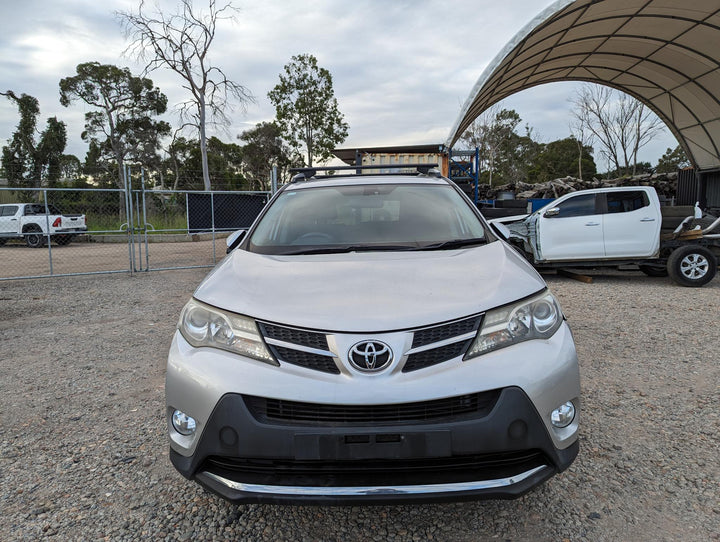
(369, 291)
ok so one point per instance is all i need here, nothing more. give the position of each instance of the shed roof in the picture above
(665, 53)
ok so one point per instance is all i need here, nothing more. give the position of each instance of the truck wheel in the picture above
(2, 241)
(653, 271)
(34, 237)
(692, 266)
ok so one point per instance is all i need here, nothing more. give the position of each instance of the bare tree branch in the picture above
(181, 42)
(621, 124)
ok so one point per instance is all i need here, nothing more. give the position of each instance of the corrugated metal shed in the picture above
(692, 188)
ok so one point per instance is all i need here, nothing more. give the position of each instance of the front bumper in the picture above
(500, 452)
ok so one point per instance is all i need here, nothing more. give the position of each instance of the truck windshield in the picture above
(367, 218)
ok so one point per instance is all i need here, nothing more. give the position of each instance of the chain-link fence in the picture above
(60, 231)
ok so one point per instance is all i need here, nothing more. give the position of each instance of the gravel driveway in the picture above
(83, 454)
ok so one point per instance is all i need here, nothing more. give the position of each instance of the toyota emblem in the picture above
(370, 356)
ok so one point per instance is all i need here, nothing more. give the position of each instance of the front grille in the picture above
(427, 358)
(302, 337)
(310, 348)
(278, 411)
(375, 472)
(308, 360)
(446, 331)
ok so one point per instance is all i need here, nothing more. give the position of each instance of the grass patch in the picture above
(159, 222)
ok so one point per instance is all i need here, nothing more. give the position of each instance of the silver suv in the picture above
(371, 339)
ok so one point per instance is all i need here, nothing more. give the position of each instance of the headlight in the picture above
(203, 325)
(536, 318)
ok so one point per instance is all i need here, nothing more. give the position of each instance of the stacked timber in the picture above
(665, 184)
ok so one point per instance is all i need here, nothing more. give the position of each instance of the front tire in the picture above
(692, 266)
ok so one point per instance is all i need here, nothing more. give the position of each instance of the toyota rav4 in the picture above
(371, 339)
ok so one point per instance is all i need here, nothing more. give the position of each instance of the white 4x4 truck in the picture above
(33, 222)
(608, 227)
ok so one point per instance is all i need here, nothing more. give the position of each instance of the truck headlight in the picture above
(538, 317)
(203, 325)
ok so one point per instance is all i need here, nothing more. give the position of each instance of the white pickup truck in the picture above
(34, 223)
(607, 227)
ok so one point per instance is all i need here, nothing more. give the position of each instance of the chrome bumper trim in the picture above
(374, 490)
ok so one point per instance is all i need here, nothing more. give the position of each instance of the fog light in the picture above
(183, 424)
(563, 415)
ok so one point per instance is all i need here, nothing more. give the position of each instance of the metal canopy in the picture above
(665, 53)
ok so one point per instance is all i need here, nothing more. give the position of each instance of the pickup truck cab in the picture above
(611, 227)
(34, 222)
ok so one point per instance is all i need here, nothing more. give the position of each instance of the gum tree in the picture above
(306, 108)
(122, 125)
(25, 161)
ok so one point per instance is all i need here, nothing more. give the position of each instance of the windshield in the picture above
(367, 217)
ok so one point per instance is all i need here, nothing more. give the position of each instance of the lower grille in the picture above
(277, 411)
(385, 472)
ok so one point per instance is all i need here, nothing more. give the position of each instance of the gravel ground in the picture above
(83, 452)
(21, 261)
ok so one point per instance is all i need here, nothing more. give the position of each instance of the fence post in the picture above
(130, 225)
(136, 229)
(212, 216)
(47, 230)
(144, 219)
(187, 213)
(274, 180)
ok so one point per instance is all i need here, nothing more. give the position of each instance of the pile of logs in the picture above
(665, 184)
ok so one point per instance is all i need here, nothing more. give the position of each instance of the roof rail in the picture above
(304, 173)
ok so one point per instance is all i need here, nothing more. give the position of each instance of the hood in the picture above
(369, 291)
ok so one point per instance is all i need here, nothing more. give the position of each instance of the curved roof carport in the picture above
(665, 53)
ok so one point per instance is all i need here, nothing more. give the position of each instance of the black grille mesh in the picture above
(434, 356)
(293, 412)
(296, 336)
(446, 331)
(305, 359)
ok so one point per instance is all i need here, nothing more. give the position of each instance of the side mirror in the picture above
(233, 240)
(501, 229)
(552, 212)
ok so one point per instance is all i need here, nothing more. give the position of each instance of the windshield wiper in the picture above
(339, 249)
(454, 243)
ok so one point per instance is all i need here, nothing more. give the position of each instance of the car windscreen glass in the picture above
(366, 217)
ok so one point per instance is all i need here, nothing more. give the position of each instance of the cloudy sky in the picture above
(401, 68)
